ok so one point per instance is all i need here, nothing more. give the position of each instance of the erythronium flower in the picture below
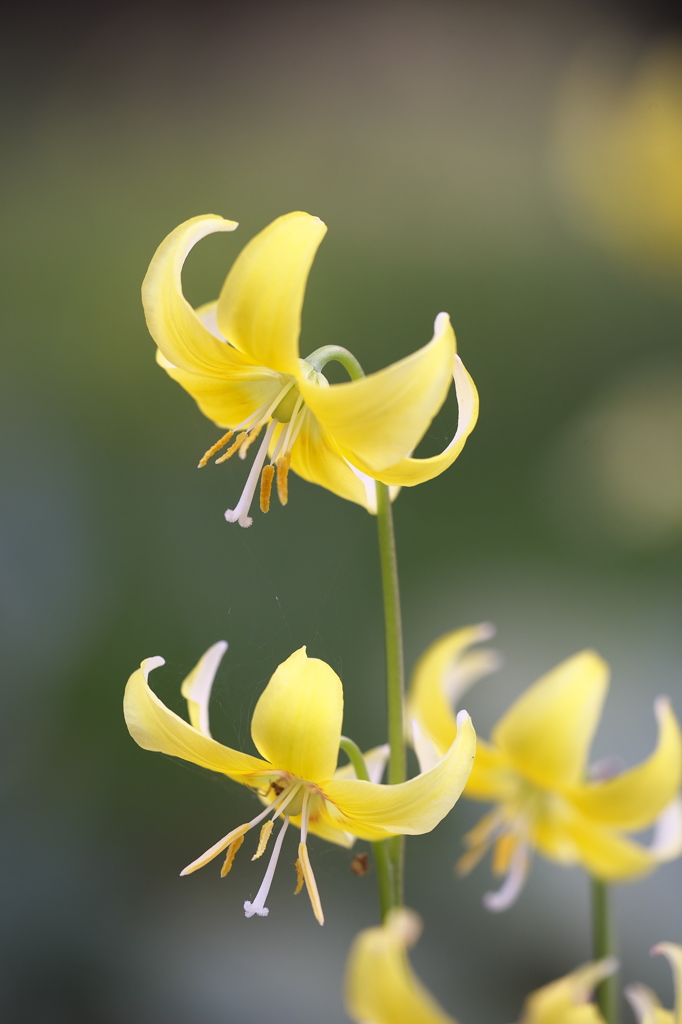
(535, 770)
(239, 358)
(645, 1003)
(382, 988)
(296, 728)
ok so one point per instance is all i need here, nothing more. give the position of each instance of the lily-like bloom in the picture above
(535, 770)
(382, 988)
(645, 1003)
(296, 728)
(239, 359)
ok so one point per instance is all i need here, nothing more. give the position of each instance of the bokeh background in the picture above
(516, 164)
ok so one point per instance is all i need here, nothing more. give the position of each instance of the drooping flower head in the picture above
(382, 988)
(296, 728)
(535, 770)
(239, 359)
(645, 1003)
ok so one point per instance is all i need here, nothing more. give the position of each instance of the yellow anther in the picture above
(299, 877)
(266, 479)
(283, 464)
(265, 833)
(231, 854)
(310, 883)
(215, 448)
(233, 447)
(502, 853)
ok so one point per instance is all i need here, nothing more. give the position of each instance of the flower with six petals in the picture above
(239, 359)
(296, 728)
(535, 770)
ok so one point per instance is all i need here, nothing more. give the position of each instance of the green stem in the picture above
(395, 674)
(381, 860)
(603, 941)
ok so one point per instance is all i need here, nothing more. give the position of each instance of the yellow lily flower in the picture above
(535, 770)
(239, 359)
(382, 988)
(296, 728)
(645, 1003)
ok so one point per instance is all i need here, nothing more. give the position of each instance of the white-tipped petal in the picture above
(196, 689)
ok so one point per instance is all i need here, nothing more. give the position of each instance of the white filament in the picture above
(240, 514)
(258, 905)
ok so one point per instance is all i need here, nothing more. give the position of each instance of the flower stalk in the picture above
(603, 940)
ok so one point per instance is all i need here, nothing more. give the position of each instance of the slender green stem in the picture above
(603, 941)
(395, 674)
(381, 859)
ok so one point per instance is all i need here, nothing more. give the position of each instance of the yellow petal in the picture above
(259, 309)
(196, 688)
(408, 471)
(155, 727)
(634, 799)
(568, 1000)
(491, 777)
(230, 398)
(380, 418)
(297, 721)
(316, 458)
(606, 854)
(673, 954)
(646, 1006)
(381, 987)
(372, 811)
(175, 327)
(441, 676)
(547, 732)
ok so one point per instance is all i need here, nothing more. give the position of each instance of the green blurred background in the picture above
(424, 135)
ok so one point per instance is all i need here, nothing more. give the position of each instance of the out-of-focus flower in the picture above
(535, 771)
(296, 727)
(645, 1003)
(618, 153)
(239, 358)
(382, 988)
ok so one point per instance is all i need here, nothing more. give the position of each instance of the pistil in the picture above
(258, 905)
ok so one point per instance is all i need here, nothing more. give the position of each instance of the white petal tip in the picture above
(250, 910)
(441, 320)
(487, 630)
(149, 664)
(661, 705)
(462, 717)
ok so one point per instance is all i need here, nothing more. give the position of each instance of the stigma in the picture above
(284, 415)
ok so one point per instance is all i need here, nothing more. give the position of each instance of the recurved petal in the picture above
(568, 1000)
(381, 987)
(259, 309)
(379, 419)
(155, 727)
(547, 732)
(673, 954)
(296, 723)
(646, 1006)
(196, 688)
(606, 854)
(228, 399)
(316, 458)
(635, 799)
(373, 811)
(444, 672)
(408, 471)
(173, 323)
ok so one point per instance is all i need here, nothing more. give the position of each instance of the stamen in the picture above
(240, 514)
(503, 853)
(310, 883)
(253, 434)
(215, 448)
(241, 438)
(265, 833)
(266, 479)
(231, 854)
(299, 877)
(258, 905)
(508, 893)
(282, 478)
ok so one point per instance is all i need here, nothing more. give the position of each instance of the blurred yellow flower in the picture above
(618, 152)
(535, 770)
(296, 727)
(238, 357)
(645, 1003)
(381, 987)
